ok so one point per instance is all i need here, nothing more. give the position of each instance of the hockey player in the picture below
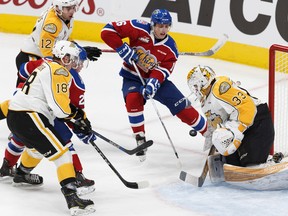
(44, 96)
(15, 146)
(56, 23)
(156, 54)
(239, 125)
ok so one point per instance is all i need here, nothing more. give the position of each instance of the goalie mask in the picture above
(67, 48)
(199, 79)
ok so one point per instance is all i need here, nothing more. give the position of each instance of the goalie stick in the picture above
(195, 180)
(127, 151)
(219, 44)
(133, 185)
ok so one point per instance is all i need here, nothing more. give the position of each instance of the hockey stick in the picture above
(133, 185)
(219, 44)
(155, 108)
(130, 152)
(194, 180)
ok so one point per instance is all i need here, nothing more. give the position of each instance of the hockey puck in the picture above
(193, 133)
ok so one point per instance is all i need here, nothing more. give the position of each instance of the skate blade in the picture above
(6, 179)
(76, 211)
(142, 158)
(81, 191)
(26, 185)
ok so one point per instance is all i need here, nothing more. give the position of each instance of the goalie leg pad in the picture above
(216, 171)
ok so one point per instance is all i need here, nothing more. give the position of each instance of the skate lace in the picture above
(33, 178)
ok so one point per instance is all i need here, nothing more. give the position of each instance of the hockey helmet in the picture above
(161, 16)
(66, 48)
(83, 60)
(199, 79)
(65, 3)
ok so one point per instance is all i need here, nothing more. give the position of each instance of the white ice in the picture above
(167, 195)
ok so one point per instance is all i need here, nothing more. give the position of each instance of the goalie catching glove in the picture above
(227, 139)
(149, 90)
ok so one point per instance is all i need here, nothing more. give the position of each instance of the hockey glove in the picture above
(226, 140)
(127, 53)
(150, 89)
(82, 125)
(93, 53)
(73, 114)
(86, 138)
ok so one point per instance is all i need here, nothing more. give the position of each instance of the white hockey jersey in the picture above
(48, 29)
(226, 101)
(46, 91)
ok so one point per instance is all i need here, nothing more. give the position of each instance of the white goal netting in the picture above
(278, 95)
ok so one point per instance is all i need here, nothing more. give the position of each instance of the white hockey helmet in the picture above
(199, 79)
(65, 3)
(66, 48)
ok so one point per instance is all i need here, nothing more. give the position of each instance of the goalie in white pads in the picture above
(240, 126)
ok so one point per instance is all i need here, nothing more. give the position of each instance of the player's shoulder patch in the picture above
(50, 27)
(61, 71)
(141, 25)
(224, 87)
(141, 21)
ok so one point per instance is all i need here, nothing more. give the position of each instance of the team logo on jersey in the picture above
(213, 119)
(46, 154)
(61, 71)
(224, 87)
(141, 21)
(131, 88)
(144, 39)
(51, 28)
(146, 60)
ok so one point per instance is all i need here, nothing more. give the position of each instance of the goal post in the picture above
(278, 95)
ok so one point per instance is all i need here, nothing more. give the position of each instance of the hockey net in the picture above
(278, 95)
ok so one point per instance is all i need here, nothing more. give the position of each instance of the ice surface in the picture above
(166, 195)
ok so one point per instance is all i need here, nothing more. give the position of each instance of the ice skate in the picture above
(141, 154)
(10, 136)
(6, 170)
(27, 180)
(84, 185)
(76, 205)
